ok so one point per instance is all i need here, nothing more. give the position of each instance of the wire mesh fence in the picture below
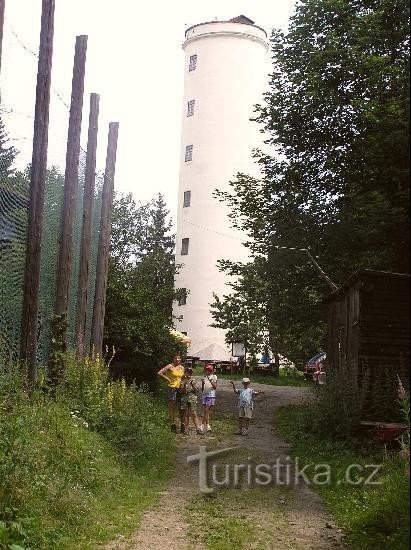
(16, 133)
(13, 233)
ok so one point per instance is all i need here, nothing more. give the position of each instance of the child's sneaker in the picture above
(200, 430)
(209, 428)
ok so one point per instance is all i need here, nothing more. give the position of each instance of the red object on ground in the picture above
(388, 432)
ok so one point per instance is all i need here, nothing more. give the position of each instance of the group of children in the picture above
(183, 393)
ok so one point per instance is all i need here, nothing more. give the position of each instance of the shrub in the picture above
(335, 410)
(61, 457)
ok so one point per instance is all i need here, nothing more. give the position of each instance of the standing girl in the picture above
(188, 401)
(208, 386)
(173, 373)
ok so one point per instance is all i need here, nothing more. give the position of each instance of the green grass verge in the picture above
(78, 469)
(373, 516)
(283, 380)
(70, 487)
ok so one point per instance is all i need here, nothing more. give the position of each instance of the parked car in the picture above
(315, 364)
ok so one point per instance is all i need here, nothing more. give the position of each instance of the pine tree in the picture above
(140, 281)
(8, 154)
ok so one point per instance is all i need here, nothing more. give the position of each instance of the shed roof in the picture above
(363, 275)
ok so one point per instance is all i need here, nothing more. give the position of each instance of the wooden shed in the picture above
(368, 336)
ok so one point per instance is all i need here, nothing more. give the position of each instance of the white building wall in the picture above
(229, 79)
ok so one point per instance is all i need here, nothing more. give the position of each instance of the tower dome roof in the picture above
(241, 19)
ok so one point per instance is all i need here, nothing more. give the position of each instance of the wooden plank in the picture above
(83, 280)
(28, 343)
(104, 242)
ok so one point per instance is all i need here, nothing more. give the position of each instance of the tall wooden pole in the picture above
(90, 175)
(104, 242)
(28, 343)
(69, 202)
(2, 7)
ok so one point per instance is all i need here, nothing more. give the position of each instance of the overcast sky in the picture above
(134, 61)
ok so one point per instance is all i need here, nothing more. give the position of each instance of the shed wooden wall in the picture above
(368, 334)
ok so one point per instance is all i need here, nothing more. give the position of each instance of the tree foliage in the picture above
(140, 282)
(243, 313)
(8, 154)
(335, 177)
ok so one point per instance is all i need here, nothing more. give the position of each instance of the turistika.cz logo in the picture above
(283, 471)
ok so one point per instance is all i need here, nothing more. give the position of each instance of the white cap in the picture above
(246, 380)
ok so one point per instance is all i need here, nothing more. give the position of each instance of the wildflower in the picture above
(122, 389)
(404, 453)
(110, 397)
(402, 394)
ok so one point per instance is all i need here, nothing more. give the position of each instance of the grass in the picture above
(282, 380)
(243, 516)
(233, 518)
(238, 516)
(296, 380)
(372, 516)
(78, 469)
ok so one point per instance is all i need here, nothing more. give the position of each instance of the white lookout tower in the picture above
(224, 77)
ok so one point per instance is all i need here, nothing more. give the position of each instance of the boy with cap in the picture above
(245, 406)
(208, 386)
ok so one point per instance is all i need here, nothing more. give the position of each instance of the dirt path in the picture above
(286, 517)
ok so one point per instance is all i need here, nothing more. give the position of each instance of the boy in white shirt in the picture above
(245, 406)
(208, 386)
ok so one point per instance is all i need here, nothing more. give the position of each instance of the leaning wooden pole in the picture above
(90, 176)
(28, 343)
(59, 331)
(104, 242)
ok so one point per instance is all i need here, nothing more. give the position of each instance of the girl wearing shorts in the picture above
(208, 386)
(173, 373)
(188, 401)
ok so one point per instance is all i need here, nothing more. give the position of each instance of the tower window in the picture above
(184, 246)
(182, 299)
(187, 199)
(189, 153)
(190, 107)
(193, 63)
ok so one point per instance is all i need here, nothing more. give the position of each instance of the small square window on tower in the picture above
(193, 63)
(182, 299)
(187, 199)
(190, 107)
(189, 153)
(184, 246)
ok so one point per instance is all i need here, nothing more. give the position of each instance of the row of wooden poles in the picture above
(28, 343)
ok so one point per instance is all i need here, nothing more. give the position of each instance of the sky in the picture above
(134, 61)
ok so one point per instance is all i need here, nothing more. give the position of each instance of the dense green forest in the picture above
(335, 170)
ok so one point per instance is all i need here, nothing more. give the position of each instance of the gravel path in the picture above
(306, 524)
